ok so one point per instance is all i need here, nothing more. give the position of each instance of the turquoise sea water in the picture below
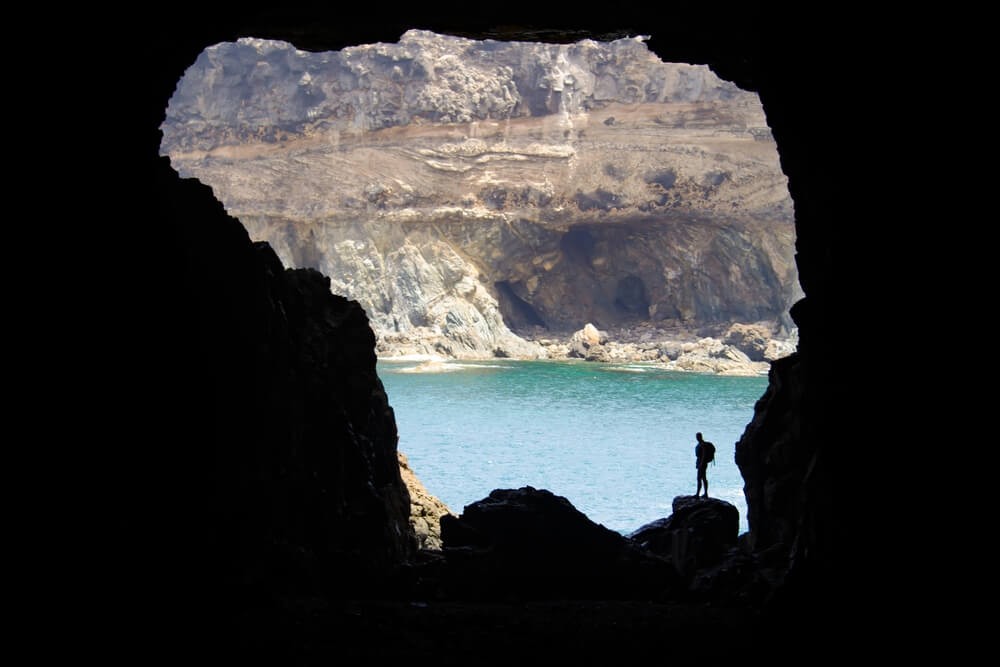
(617, 440)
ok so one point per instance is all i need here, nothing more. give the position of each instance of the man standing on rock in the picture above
(704, 452)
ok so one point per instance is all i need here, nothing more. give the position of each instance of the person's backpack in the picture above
(709, 453)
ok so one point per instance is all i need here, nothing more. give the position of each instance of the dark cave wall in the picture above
(254, 455)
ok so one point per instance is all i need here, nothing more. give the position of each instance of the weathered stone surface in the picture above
(426, 510)
(462, 189)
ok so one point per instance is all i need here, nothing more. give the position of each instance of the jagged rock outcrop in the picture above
(532, 543)
(459, 189)
(426, 510)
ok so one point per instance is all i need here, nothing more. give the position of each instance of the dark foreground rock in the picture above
(700, 541)
(461, 633)
(697, 535)
(531, 543)
(252, 457)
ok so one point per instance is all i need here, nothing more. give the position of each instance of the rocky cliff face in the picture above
(464, 190)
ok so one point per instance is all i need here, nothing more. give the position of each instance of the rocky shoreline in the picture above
(734, 349)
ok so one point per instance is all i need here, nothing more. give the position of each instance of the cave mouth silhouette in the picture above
(817, 136)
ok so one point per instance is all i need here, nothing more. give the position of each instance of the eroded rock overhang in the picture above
(459, 189)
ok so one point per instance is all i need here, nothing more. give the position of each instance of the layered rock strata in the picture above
(464, 190)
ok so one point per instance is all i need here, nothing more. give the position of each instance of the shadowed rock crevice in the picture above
(631, 297)
(517, 313)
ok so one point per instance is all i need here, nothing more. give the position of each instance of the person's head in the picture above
(698, 435)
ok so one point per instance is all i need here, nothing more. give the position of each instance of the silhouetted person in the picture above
(704, 452)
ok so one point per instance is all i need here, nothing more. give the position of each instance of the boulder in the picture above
(697, 535)
(590, 344)
(535, 519)
(530, 542)
(750, 339)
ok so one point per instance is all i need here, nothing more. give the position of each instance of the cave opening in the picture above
(578, 244)
(518, 313)
(631, 297)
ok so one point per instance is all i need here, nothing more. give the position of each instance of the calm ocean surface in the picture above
(617, 440)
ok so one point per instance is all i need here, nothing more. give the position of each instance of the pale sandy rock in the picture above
(590, 344)
(777, 349)
(710, 355)
(426, 510)
(592, 336)
(752, 339)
